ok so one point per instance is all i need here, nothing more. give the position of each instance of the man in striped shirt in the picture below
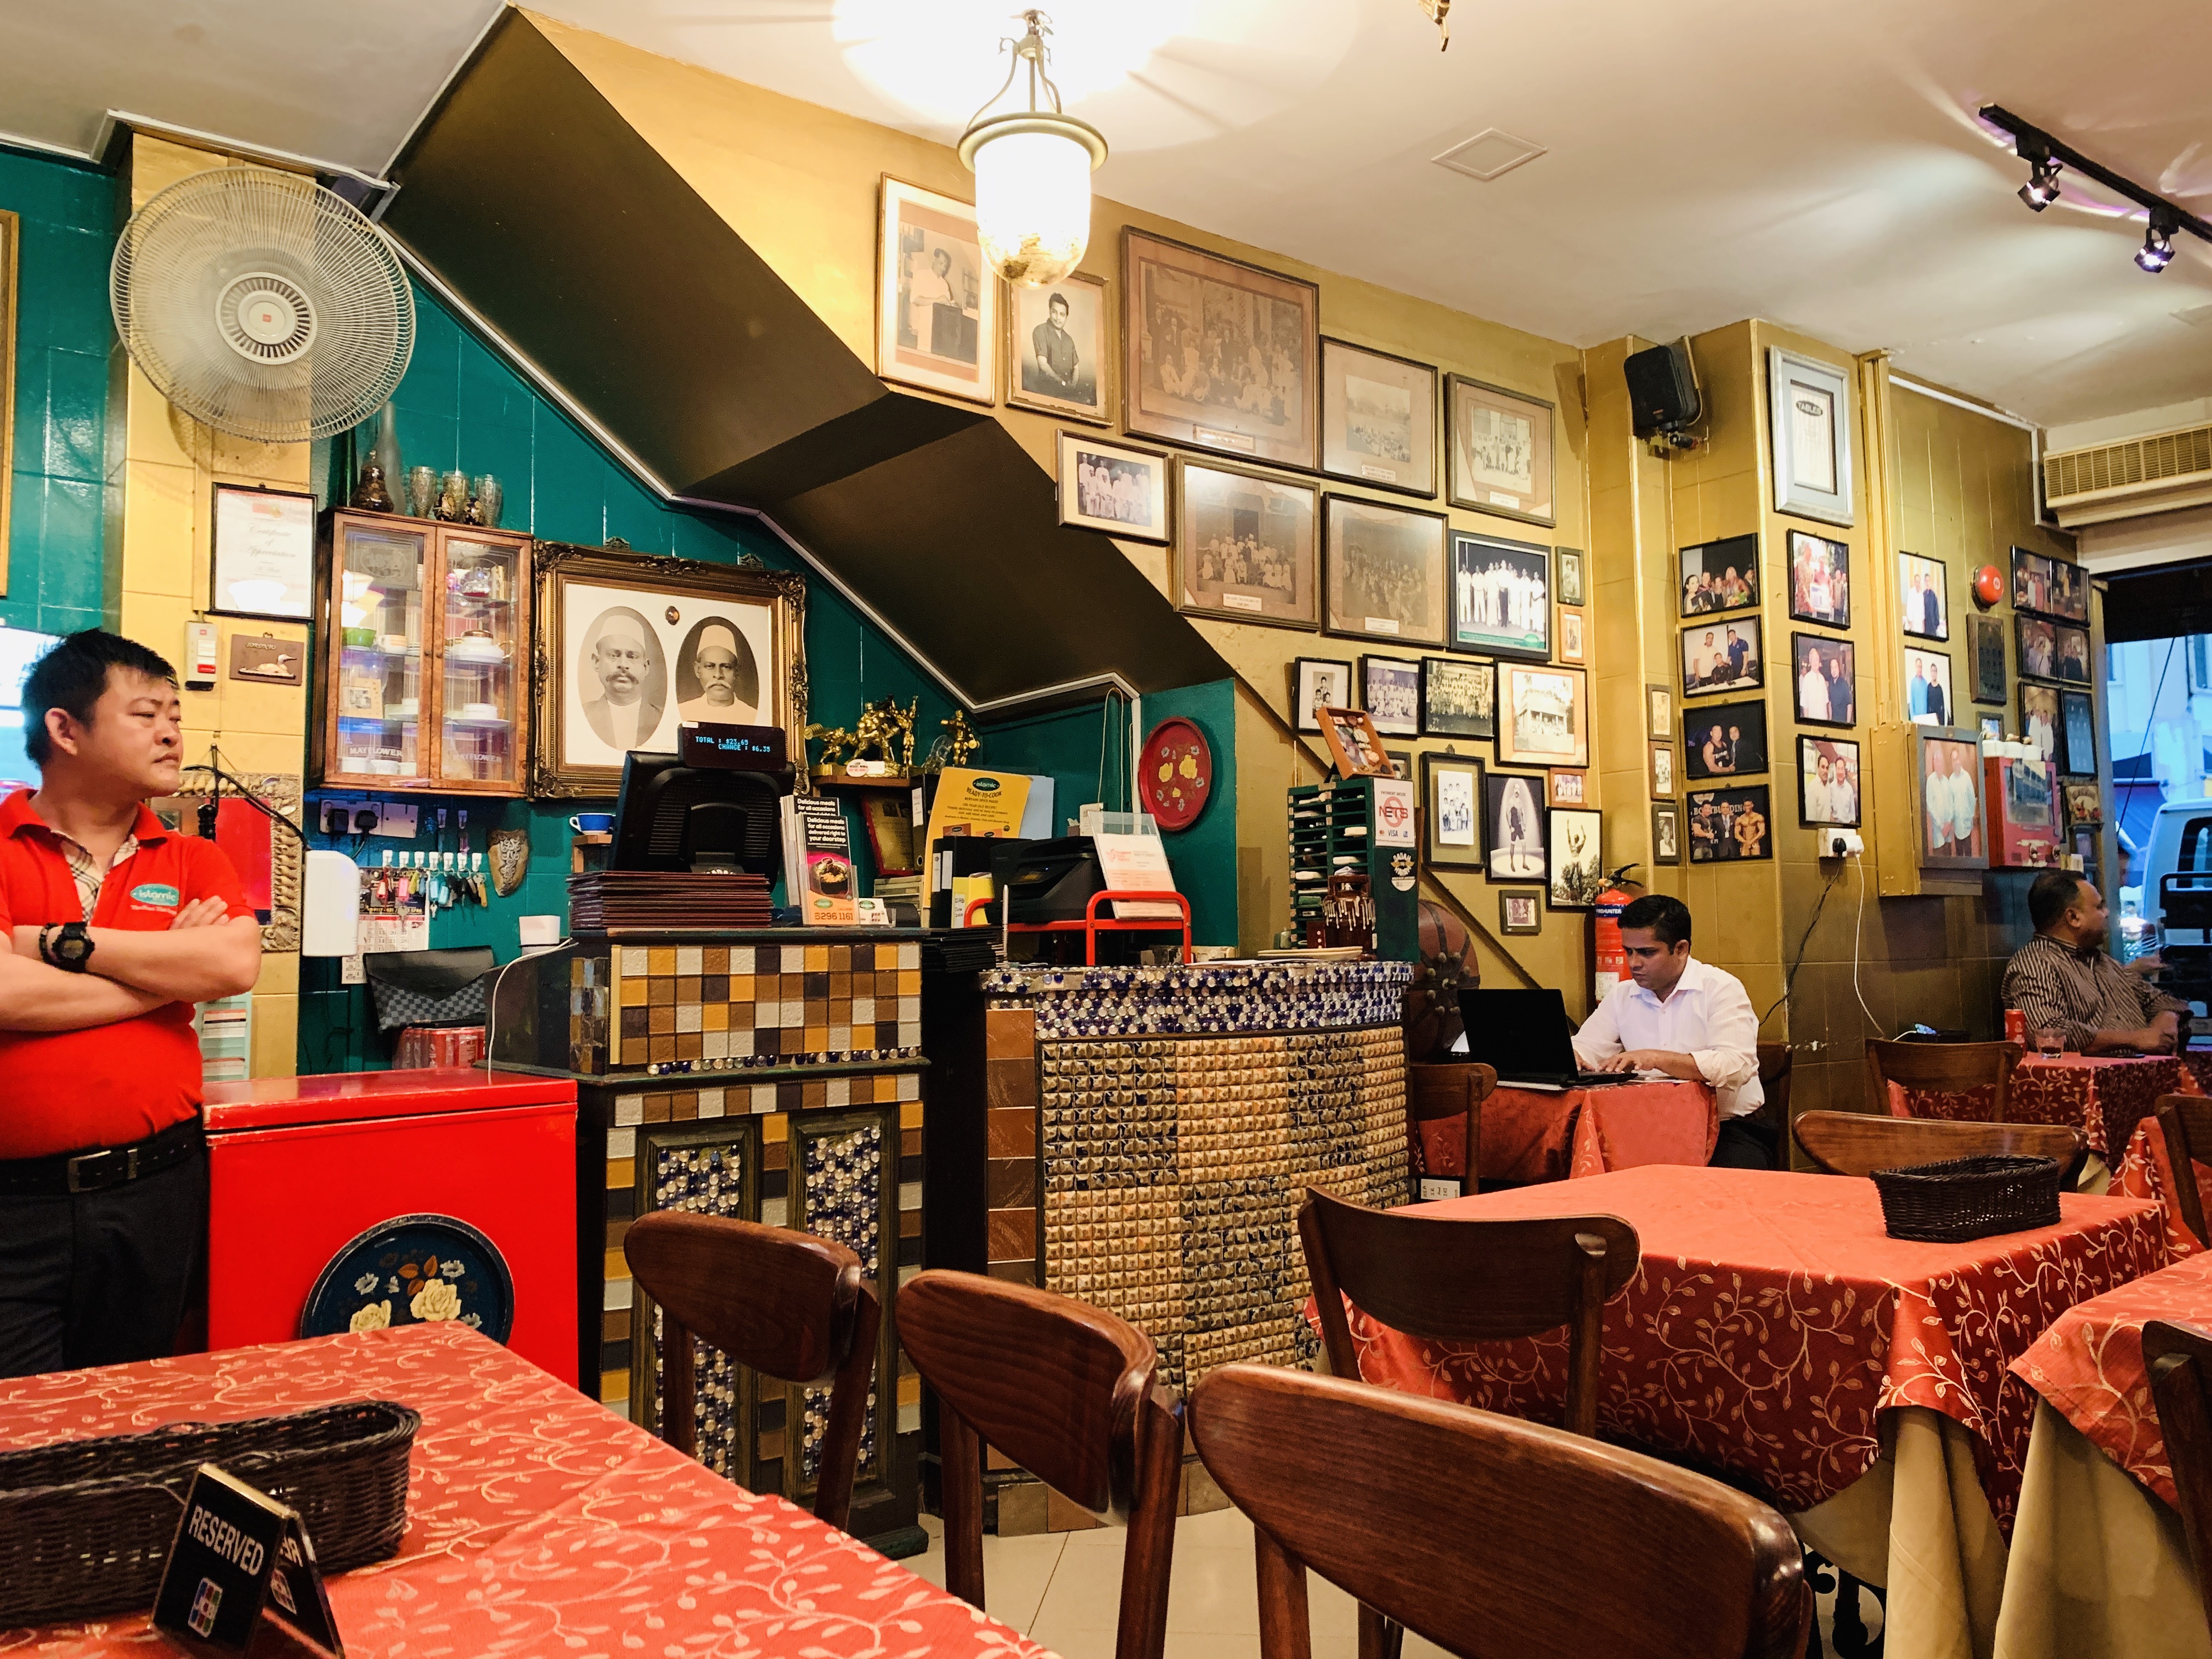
(2062, 979)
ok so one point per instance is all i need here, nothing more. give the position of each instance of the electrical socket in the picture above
(1842, 844)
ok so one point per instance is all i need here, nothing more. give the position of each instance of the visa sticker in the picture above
(156, 892)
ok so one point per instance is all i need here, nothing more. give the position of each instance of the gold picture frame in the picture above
(937, 300)
(1499, 451)
(11, 246)
(1241, 536)
(658, 611)
(282, 792)
(1090, 340)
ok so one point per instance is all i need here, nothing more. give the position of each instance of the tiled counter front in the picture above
(1152, 1131)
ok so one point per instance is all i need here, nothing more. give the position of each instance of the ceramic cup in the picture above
(592, 823)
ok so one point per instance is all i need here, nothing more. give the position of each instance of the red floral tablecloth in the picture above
(539, 1523)
(2147, 1171)
(1773, 1318)
(2089, 1365)
(1538, 1134)
(2103, 1097)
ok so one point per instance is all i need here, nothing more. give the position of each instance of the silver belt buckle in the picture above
(74, 1170)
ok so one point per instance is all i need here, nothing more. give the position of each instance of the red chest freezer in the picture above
(301, 1169)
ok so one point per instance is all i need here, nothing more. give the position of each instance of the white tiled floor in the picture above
(1063, 1590)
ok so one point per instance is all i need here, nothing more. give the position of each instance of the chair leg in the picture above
(1850, 1624)
(1148, 1552)
(961, 1483)
(848, 1411)
(1286, 1631)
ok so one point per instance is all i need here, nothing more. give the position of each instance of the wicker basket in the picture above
(85, 1525)
(1962, 1198)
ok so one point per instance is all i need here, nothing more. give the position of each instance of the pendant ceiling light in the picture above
(1032, 171)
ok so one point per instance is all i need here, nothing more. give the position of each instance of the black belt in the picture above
(108, 1166)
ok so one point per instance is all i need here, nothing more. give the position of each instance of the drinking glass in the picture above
(2050, 1042)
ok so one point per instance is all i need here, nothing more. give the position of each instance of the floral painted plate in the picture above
(413, 1270)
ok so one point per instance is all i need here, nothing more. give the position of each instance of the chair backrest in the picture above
(1403, 1501)
(2186, 1122)
(1449, 1090)
(786, 1304)
(1774, 1063)
(1464, 1278)
(2180, 1359)
(1945, 1067)
(1069, 1392)
(1859, 1143)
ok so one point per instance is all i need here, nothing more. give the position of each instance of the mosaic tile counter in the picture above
(775, 1075)
(1153, 1130)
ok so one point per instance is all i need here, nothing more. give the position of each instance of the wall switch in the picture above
(396, 819)
(200, 645)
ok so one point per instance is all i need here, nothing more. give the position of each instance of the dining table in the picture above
(2106, 1097)
(1531, 1134)
(1776, 1335)
(537, 1521)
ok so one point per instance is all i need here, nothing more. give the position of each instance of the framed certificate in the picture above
(264, 554)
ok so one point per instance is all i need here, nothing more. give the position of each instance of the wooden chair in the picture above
(1859, 1143)
(1468, 1279)
(1774, 1065)
(1487, 1534)
(788, 1304)
(1945, 1067)
(2186, 1122)
(2180, 1359)
(1450, 1090)
(1070, 1393)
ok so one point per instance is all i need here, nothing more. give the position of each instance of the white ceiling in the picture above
(1818, 165)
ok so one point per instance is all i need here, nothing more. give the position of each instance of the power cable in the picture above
(1855, 926)
(1791, 980)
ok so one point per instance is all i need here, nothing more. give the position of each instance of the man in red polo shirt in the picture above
(117, 926)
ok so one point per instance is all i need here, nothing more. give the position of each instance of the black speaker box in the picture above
(1662, 389)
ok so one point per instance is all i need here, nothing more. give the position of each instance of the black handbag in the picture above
(428, 988)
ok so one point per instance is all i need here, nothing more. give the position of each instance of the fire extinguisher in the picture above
(1608, 959)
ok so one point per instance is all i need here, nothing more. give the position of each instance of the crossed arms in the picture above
(206, 953)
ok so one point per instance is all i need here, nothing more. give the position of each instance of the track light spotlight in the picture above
(2157, 251)
(2041, 189)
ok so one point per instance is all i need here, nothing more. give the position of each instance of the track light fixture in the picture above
(2044, 154)
(2157, 251)
(2041, 189)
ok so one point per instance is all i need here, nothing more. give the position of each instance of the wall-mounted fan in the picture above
(261, 304)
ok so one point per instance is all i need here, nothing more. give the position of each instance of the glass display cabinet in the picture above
(425, 651)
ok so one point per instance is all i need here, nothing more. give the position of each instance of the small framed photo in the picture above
(1828, 782)
(1057, 354)
(1513, 825)
(1827, 679)
(1567, 563)
(1924, 598)
(1731, 826)
(1543, 716)
(1820, 581)
(1318, 682)
(1725, 739)
(1501, 596)
(1662, 770)
(1666, 833)
(2038, 719)
(2069, 592)
(1985, 649)
(1452, 791)
(2085, 806)
(1810, 418)
(1947, 791)
(937, 302)
(2039, 647)
(1571, 636)
(1501, 450)
(1721, 656)
(1567, 788)
(1378, 418)
(2077, 723)
(1928, 696)
(1244, 548)
(1401, 762)
(1459, 698)
(1390, 691)
(1577, 867)
(1521, 911)
(1385, 571)
(1992, 728)
(1720, 575)
(1113, 488)
(1355, 744)
(264, 560)
(2031, 578)
(2074, 654)
(1659, 711)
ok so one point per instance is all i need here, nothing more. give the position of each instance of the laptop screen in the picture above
(1518, 1033)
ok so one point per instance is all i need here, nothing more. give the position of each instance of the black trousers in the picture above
(101, 1278)
(1744, 1144)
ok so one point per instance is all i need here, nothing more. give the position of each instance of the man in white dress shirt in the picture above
(1685, 1017)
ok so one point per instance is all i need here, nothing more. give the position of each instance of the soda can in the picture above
(2015, 1026)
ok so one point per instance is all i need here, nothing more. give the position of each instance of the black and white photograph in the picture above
(1666, 833)
(1731, 826)
(1057, 355)
(1501, 598)
(1923, 599)
(1318, 682)
(1570, 634)
(619, 679)
(1576, 868)
(1567, 568)
(1385, 568)
(1725, 739)
(2074, 654)
(1542, 715)
(1501, 450)
(1520, 911)
(1451, 788)
(1390, 691)
(1663, 769)
(1659, 711)
(2078, 727)
(1929, 698)
(1245, 545)
(1985, 650)
(1513, 825)
(1826, 679)
(1459, 698)
(1828, 782)
(1111, 487)
(937, 319)
(1820, 580)
(1722, 576)
(2039, 647)
(1721, 656)
(718, 677)
(2038, 719)
(1378, 418)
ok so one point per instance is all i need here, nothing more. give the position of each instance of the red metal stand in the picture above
(1092, 924)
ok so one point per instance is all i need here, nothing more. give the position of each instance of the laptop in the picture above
(1524, 1037)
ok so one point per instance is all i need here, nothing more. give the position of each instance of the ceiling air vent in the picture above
(2157, 474)
(1491, 154)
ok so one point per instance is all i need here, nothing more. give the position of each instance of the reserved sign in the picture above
(239, 1553)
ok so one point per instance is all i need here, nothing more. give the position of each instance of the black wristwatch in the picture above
(68, 947)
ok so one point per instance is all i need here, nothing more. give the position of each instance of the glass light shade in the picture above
(1033, 201)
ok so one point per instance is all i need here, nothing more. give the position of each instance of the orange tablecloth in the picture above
(2104, 1097)
(2146, 1171)
(1537, 1134)
(538, 1522)
(1773, 1318)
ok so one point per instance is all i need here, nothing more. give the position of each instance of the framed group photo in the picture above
(1820, 580)
(1385, 571)
(1459, 698)
(1923, 598)
(1501, 596)
(937, 302)
(1318, 682)
(1722, 576)
(1500, 444)
(1725, 739)
(2032, 575)
(1731, 826)
(1111, 487)
(1810, 415)
(1514, 826)
(1057, 355)
(2039, 647)
(1543, 715)
(1826, 671)
(1828, 782)
(1378, 418)
(1245, 545)
(1390, 691)
(1721, 656)
(1928, 699)
(1452, 791)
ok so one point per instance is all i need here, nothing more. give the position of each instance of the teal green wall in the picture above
(1203, 856)
(63, 337)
